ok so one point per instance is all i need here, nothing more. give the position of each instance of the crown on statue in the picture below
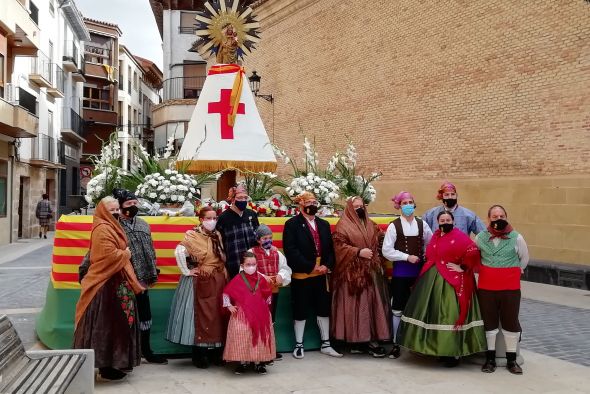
(216, 22)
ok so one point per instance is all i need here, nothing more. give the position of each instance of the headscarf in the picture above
(350, 235)
(303, 197)
(445, 187)
(205, 248)
(398, 198)
(262, 231)
(231, 195)
(123, 195)
(108, 256)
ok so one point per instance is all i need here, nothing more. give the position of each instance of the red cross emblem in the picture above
(223, 108)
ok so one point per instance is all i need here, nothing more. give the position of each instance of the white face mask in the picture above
(210, 224)
(249, 270)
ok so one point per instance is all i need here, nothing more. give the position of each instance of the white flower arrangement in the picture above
(326, 191)
(171, 187)
(98, 186)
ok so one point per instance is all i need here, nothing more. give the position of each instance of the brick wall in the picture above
(493, 95)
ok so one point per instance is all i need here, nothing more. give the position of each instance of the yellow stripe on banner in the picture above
(76, 286)
(71, 234)
(68, 251)
(167, 236)
(165, 253)
(170, 270)
(65, 268)
(171, 220)
(76, 218)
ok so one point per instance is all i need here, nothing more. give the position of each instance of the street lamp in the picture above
(255, 86)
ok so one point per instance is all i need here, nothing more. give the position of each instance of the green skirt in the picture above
(430, 315)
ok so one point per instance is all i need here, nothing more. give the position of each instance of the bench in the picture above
(43, 371)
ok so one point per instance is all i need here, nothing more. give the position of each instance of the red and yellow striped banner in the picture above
(72, 239)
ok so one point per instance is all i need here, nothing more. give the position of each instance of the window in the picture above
(194, 77)
(187, 23)
(50, 122)
(96, 98)
(3, 187)
(1, 75)
(134, 80)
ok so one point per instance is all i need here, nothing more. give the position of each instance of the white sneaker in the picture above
(329, 350)
(298, 352)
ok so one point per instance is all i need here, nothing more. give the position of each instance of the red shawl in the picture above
(253, 305)
(454, 247)
(351, 235)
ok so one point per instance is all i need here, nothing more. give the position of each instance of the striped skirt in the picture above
(238, 345)
(181, 323)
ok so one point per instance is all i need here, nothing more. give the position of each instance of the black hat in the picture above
(123, 195)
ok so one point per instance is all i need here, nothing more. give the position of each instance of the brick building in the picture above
(492, 95)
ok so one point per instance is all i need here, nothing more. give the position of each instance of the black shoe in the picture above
(395, 351)
(490, 364)
(111, 373)
(241, 368)
(155, 359)
(278, 357)
(216, 356)
(377, 351)
(146, 350)
(450, 362)
(260, 369)
(40, 235)
(511, 364)
(45, 236)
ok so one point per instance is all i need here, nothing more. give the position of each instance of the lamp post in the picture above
(255, 86)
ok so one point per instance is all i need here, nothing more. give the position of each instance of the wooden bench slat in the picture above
(42, 373)
(11, 347)
(23, 375)
(57, 370)
(64, 379)
(28, 384)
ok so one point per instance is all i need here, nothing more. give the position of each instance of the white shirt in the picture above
(410, 230)
(181, 253)
(312, 223)
(284, 270)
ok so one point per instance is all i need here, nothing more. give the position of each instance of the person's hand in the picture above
(366, 253)
(413, 259)
(279, 279)
(322, 269)
(232, 309)
(454, 267)
(194, 272)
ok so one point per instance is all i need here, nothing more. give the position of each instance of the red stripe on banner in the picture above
(73, 226)
(383, 226)
(165, 244)
(72, 243)
(276, 228)
(166, 261)
(57, 259)
(168, 278)
(278, 243)
(170, 228)
(61, 277)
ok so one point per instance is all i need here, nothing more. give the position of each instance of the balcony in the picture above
(78, 75)
(103, 71)
(44, 153)
(72, 126)
(41, 71)
(22, 30)
(182, 88)
(15, 120)
(71, 58)
(100, 116)
(57, 88)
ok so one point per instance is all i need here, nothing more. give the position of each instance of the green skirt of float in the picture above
(428, 321)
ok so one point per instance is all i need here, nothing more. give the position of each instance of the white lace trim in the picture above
(442, 327)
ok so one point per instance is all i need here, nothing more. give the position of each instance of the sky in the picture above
(136, 21)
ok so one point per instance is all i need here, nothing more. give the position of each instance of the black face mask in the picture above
(499, 224)
(360, 212)
(450, 202)
(241, 205)
(116, 215)
(130, 211)
(310, 210)
(446, 227)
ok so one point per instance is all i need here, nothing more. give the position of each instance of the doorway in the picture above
(227, 180)
(23, 194)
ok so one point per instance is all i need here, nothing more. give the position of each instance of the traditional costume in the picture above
(442, 316)
(504, 256)
(308, 244)
(404, 238)
(143, 259)
(238, 233)
(250, 335)
(464, 219)
(360, 304)
(106, 313)
(195, 315)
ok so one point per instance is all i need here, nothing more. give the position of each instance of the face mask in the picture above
(408, 210)
(499, 224)
(241, 205)
(210, 224)
(267, 244)
(116, 215)
(446, 227)
(310, 210)
(131, 211)
(360, 212)
(450, 202)
(249, 270)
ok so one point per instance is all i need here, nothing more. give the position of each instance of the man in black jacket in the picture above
(307, 243)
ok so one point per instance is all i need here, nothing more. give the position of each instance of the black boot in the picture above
(216, 356)
(146, 350)
(490, 364)
(511, 364)
(200, 359)
(110, 373)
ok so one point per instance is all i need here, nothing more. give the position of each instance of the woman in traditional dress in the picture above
(106, 313)
(360, 309)
(442, 316)
(250, 334)
(196, 314)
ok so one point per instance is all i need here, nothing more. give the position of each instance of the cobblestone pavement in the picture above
(550, 329)
(556, 330)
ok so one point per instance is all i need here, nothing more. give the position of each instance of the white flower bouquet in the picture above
(170, 187)
(326, 191)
